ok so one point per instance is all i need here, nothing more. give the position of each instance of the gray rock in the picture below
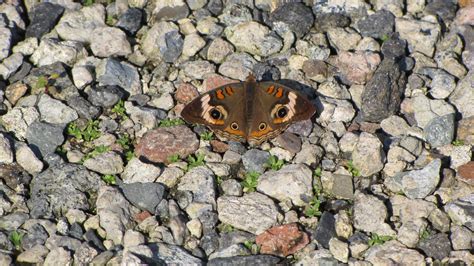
(83, 108)
(44, 137)
(232, 187)
(339, 249)
(326, 229)
(463, 96)
(200, 181)
(78, 25)
(20, 73)
(254, 160)
(378, 25)
(461, 211)
(82, 75)
(193, 43)
(442, 83)
(370, 214)
(56, 241)
(421, 183)
(196, 4)
(461, 237)
(410, 231)
(63, 86)
(237, 66)
(58, 256)
(105, 96)
(218, 50)
(171, 254)
(26, 158)
(413, 31)
(145, 196)
(10, 65)
(6, 149)
(55, 112)
(107, 163)
(254, 212)
(33, 255)
(263, 260)
(337, 185)
(5, 42)
(330, 20)
(446, 10)
(436, 246)
(297, 16)
(293, 182)
(343, 39)
(36, 235)
(109, 41)
(368, 155)
(393, 251)
(170, 10)
(198, 69)
(115, 213)
(395, 126)
(440, 130)
(18, 119)
(163, 41)
(253, 38)
(130, 21)
(60, 188)
(51, 51)
(215, 7)
(43, 18)
(138, 171)
(234, 14)
(382, 94)
(13, 221)
(113, 72)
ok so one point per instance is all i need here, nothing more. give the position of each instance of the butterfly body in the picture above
(249, 111)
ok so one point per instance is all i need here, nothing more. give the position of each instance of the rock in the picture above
(282, 240)
(326, 229)
(316, 70)
(26, 47)
(378, 25)
(10, 65)
(382, 94)
(410, 209)
(309, 154)
(170, 176)
(43, 18)
(266, 260)
(413, 31)
(337, 185)
(234, 14)
(5, 42)
(343, 39)
(78, 25)
(237, 66)
(83, 108)
(231, 187)
(27, 159)
(339, 249)
(333, 89)
(200, 182)
(107, 163)
(218, 50)
(465, 172)
(436, 246)
(296, 16)
(192, 44)
(393, 251)
(112, 72)
(44, 137)
(6, 149)
(13, 221)
(185, 93)
(145, 196)
(33, 255)
(52, 50)
(292, 182)
(159, 144)
(130, 21)
(444, 9)
(105, 96)
(254, 160)
(84, 254)
(138, 171)
(172, 254)
(56, 241)
(440, 220)
(58, 255)
(395, 126)
(162, 41)
(463, 96)
(253, 38)
(461, 212)
(461, 238)
(368, 149)
(60, 188)
(370, 214)
(465, 130)
(198, 69)
(421, 183)
(357, 67)
(209, 26)
(55, 112)
(410, 231)
(115, 213)
(109, 41)
(15, 91)
(254, 212)
(170, 10)
(442, 83)
(58, 75)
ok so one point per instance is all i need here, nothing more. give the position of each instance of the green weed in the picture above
(274, 163)
(16, 238)
(195, 161)
(375, 239)
(208, 135)
(89, 133)
(171, 122)
(250, 181)
(109, 179)
(352, 169)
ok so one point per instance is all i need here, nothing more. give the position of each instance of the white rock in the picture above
(109, 41)
(192, 44)
(79, 25)
(54, 111)
(414, 31)
(26, 158)
(253, 38)
(138, 171)
(6, 152)
(52, 50)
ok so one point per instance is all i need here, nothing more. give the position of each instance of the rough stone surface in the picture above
(282, 240)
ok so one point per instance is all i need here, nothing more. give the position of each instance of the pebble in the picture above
(55, 112)
(463, 96)
(368, 149)
(234, 14)
(343, 39)
(198, 69)
(109, 41)
(107, 163)
(253, 38)
(339, 249)
(78, 25)
(5, 42)
(282, 240)
(461, 238)
(192, 44)
(35, 254)
(43, 18)
(52, 50)
(377, 25)
(27, 159)
(111, 72)
(254, 160)
(130, 21)
(6, 149)
(337, 185)
(45, 137)
(358, 67)
(436, 246)
(162, 41)
(200, 182)
(370, 214)
(170, 10)
(297, 16)
(393, 251)
(10, 65)
(412, 31)
(326, 229)
(459, 211)
(292, 182)
(138, 171)
(237, 66)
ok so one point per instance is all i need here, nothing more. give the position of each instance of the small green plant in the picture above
(250, 245)
(88, 2)
(96, 151)
(458, 142)
(318, 172)
(126, 143)
(171, 122)
(41, 82)
(250, 181)
(119, 110)
(207, 135)
(194, 161)
(109, 179)
(425, 234)
(219, 180)
(352, 169)
(274, 163)
(89, 133)
(16, 238)
(375, 239)
(312, 209)
(173, 158)
(60, 150)
(225, 228)
(111, 20)
(384, 38)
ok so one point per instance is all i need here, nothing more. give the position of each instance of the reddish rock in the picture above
(219, 146)
(141, 216)
(357, 67)
(464, 3)
(369, 127)
(186, 93)
(282, 240)
(353, 127)
(159, 144)
(466, 172)
(465, 16)
(214, 81)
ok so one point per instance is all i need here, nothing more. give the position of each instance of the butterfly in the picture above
(249, 111)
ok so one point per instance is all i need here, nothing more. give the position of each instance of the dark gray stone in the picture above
(43, 18)
(93, 239)
(436, 246)
(66, 242)
(378, 25)
(440, 130)
(44, 138)
(130, 21)
(445, 9)
(83, 108)
(235, 237)
(215, 7)
(210, 243)
(297, 16)
(325, 21)
(145, 196)
(326, 229)
(266, 72)
(105, 96)
(248, 260)
(5, 243)
(394, 47)
(12, 221)
(173, 48)
(254, 160)
(209, 221)
(382, 95)
(36, 235)
(63, 86)
(76, 231)
(60, 188)
(21, 73)
(116, 73)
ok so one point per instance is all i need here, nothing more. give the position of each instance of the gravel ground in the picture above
(97, 167)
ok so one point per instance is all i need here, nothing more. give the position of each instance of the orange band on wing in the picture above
(271, 89)
(229, 91)
(279, 93)
(220, 95)
(258, 134)
(235, 132)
